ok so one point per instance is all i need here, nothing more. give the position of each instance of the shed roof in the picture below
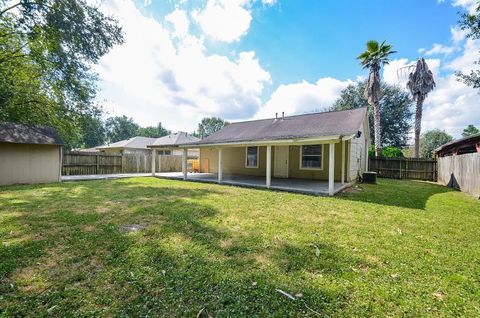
(343, 123)
(458, 142)
(173, 140)
(27, 134)
(132, 143)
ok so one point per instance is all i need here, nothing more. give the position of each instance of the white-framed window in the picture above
(164, 152)
(251, 157)
(311, 157)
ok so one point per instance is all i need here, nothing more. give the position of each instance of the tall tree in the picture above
(431, 140)
(471, 23)
(120, 128)
(470, 130)
(374, 58)
(92, 129)
(420, 83)
(395, 111)
(209, 125)
(47, 48)
(154, 132)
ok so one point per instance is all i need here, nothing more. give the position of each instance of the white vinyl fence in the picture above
(461, 172)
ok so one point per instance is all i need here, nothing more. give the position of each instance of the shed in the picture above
(29, 154)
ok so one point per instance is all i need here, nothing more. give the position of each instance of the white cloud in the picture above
(303, 97)
(458, 35)
(159, 75)
(469, 5)
(439, 49)
(224, 20)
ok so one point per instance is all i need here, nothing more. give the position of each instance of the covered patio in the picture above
(315, 187)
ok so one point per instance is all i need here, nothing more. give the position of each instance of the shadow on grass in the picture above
(400, 193)
(70, 256)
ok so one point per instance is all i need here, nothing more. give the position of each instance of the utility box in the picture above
(369, 177)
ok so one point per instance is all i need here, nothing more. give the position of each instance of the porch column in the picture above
(343, 161)
(219, 165)
(154, 155)
(331, 168)
(366, 156)
(184, 163)
(269, 166)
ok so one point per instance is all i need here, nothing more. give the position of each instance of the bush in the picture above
(387, 152)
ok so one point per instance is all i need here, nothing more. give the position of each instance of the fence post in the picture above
(123, 163)
(97, 164)
(400, 162)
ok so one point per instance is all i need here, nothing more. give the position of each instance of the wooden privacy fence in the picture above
(404, 168)
(461, 172)
(85, 163)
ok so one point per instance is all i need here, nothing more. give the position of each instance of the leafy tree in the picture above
(47, 48)
(120, 128)
(431, 140)
(395, 111)
(420, 83)
(93, 130)
(470, 130)
(209, 125)
(374, 58)
(154, 132)
(471, 22)
(387, 152)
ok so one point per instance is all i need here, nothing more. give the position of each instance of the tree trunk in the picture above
(418, 126)
(378, 129)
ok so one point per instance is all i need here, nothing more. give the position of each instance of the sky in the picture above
(246, 59)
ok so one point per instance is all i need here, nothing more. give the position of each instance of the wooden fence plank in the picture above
(81, 163)
(461, 172)
(404, 168)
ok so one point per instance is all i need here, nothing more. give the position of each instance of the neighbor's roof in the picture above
(344, 123)
(26, 134)
(458, 142)
(132, 143)
(172, 140)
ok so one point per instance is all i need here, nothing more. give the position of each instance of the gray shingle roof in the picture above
(173, 140)
(132, 143)
(26, 134)
(458, 141)
(345, 122)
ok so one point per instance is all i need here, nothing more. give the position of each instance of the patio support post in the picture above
(154, 155)
(184, 163)
(343, 161)
(269, 166)
(219, 165)
(331, 168)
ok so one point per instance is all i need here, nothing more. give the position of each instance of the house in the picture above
(319, 153)
(133, 145)
(169, 145)
(29, 154)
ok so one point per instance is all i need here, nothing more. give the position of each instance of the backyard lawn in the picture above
(152, 247)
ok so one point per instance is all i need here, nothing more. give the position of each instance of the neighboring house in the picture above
(328, 146)
(168, 145)
(29, 154)
(458, 164)
(133, 145)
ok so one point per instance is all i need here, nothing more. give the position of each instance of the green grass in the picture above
(399, 248)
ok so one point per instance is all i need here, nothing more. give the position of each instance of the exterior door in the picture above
(280, 169)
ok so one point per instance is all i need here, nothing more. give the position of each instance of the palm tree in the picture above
(420, 83)
(374, 58)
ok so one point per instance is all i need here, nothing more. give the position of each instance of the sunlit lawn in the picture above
(151, 247)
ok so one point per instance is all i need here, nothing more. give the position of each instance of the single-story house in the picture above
(470, 144)
(133, 145)
(327, 150)
(29, 154)
(168, 145)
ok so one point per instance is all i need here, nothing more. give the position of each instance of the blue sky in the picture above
(242, 59)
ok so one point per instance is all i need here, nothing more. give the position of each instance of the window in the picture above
(164, 152)
(251, 160)
(311, 157)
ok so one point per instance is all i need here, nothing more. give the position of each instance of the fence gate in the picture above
(404, 168)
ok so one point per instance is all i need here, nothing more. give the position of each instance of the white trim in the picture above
(301, 141)
(268, 173)
(311, 168)
(288, 162)
(219, 172)
(331, 169)
(343, 162)
(246, 157)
